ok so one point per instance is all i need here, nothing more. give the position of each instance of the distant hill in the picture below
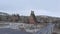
(43, 18)
(4, 14)
(25, 19)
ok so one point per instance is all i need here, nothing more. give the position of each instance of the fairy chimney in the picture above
(32, 18)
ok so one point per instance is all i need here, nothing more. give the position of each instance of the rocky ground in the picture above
(28, 26)
(57, 31)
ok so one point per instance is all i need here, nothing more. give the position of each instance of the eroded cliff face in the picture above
(29, 19)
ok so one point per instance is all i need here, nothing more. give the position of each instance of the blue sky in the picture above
(24, 7)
